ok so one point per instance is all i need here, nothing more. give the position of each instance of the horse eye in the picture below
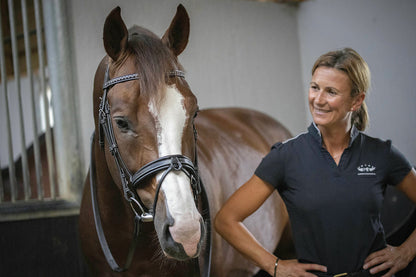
(196, 113)
(122, 124)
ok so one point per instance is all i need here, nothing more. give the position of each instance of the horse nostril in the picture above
(166, 227)
(172, 248)
(168, 235)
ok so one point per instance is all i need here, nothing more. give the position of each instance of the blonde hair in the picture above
(350, 62)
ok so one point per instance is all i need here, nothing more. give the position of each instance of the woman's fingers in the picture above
(390, 258)
(295, 269)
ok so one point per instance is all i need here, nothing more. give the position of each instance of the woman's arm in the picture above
(228, 223)
(396, 258)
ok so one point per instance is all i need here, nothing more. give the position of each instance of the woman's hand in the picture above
(293, 268)
(390, 258)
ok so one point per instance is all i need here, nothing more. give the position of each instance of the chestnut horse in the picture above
(149, 174)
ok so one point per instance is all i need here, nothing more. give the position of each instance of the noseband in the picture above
(130, 182)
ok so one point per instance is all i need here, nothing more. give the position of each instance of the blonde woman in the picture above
(332, 179)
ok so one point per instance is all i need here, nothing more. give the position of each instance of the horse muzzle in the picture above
(183, 244)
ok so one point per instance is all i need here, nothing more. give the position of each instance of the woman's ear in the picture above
(358, 101)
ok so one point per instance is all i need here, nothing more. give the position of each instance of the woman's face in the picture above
(330, 100)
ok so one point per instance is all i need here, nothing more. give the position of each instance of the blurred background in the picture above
(245, 53)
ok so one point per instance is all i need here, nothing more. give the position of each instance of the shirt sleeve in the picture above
(399, 166)
(271, 168)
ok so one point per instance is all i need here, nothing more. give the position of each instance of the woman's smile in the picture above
(330, 100)
(319, 110)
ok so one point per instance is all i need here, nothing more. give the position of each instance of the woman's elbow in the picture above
(218, 222)
(221, 221)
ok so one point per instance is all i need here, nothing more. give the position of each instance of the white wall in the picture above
(251, 54)
(240, 53)
(384, 33)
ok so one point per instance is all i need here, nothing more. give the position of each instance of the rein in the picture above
(130, 181)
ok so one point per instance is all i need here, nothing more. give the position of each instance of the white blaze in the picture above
(170, 117)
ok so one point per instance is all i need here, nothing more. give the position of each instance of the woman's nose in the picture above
(320, 98)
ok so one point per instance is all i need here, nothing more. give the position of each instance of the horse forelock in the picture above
(152, 58)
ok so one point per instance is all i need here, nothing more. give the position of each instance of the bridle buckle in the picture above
(176, 164)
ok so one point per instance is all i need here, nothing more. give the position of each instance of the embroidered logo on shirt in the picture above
(366, 169)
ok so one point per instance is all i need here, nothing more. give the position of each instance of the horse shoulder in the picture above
(231, 144)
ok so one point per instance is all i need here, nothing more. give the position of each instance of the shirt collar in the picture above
(316, 133)
(353, 134)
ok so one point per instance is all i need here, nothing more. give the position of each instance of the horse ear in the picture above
(115, 34)
(176, 36)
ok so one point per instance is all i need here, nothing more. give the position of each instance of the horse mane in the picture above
(153, 59)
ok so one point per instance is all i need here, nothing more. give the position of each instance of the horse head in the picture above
(149, 129)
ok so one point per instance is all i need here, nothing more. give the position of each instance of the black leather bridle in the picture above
(130, 181)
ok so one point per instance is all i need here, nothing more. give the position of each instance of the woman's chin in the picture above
(320, 120)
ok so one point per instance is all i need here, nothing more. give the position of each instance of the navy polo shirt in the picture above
(334, 209)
